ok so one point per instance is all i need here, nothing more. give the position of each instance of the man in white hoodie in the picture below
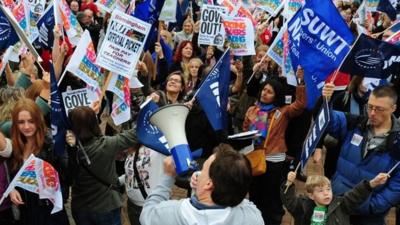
(219, 196)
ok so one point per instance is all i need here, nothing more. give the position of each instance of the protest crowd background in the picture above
(250, 90)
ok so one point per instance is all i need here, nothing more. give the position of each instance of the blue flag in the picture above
(315, 133)
(319, 34)
(45, 26)
(149, 135)
(387, 7)
(149, 11)
(372, 58)
(167, 51)
(8, 35)
(214, 91)
(59, 120)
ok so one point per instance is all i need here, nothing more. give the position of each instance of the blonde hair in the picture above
(314, 181)
(168, 35)
(196, 60)
(9, 97)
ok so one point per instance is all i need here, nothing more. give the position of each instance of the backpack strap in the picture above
(136, 175)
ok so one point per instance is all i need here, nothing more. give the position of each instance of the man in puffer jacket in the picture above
(369, 146)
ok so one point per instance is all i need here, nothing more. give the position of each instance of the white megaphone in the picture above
(170, 120)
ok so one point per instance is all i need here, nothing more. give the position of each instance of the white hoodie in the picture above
(158, 209)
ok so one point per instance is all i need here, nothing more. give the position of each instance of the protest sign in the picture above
(212, 31)
(75, 98)
(71, 25)
(82, 63)
(271, 6)
(371, 5)
(287, 68)
(123, 5)
(228, 4)
(37, 6)
(291, 7)
(121, 106)
(122, 44)
(20, 13)
(106, 5)
(240, 34)
(36, 9)
(275, 51)
(168, 12)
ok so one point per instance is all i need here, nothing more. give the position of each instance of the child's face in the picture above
(322, 195)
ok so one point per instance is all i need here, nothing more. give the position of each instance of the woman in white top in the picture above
(148, 171)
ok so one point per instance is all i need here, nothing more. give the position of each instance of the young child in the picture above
(320, 207)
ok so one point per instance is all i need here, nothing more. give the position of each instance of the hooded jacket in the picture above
(158, 209)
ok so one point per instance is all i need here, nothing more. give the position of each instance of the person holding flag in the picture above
(370, 145)
(271, 116)
(30, 135)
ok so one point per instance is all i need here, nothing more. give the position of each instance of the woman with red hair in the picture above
(29, 136)
(183, 54)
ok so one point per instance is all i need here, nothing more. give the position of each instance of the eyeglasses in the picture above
(174, 80)
(370, 108)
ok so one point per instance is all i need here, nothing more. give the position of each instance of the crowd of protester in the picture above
(359, 147)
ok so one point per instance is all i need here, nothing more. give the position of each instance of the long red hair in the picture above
(18, 139)
(178, 52)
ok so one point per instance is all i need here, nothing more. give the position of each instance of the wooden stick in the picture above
(290, 183)
(158, 40)
(254, 72)
(107, 79)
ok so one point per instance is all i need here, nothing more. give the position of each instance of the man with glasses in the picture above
(370, 145)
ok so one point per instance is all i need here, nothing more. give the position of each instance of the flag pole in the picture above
(62, 76)
(158, 40)
(201, 85)
(344, 59)
(254, 72)
(107, 79)
(290, 183)
(393, 168)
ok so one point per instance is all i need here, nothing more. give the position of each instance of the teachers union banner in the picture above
(122, 44)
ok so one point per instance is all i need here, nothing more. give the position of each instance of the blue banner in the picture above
(374, 58)
(149, 11)
(213, 92)
(387, 7)
(319, 34)
(45, 26)
(59, 120)
(8, 35)
(315, 133)
(148, 134)
(167, 51)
